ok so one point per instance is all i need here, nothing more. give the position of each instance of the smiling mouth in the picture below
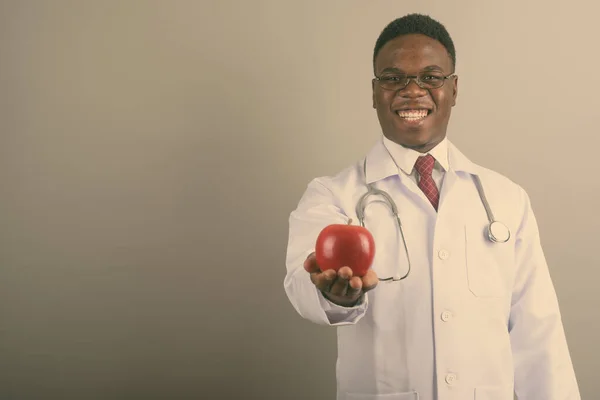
(413, 115)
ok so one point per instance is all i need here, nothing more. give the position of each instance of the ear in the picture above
(373, 91)
(454, 90)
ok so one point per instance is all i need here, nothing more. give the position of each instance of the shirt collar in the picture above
(381, 160)
(406, 158)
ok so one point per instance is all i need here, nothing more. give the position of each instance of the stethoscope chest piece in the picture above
(498, 232)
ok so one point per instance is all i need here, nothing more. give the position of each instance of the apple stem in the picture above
(350, 221)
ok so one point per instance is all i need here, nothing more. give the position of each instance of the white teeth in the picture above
(412, 115)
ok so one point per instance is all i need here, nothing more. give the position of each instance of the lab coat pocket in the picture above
(494, 393)
(392, 396)
(487, 263)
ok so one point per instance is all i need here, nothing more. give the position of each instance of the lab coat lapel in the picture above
(451, 194)
(448, 183)
(417, 193)
(379, 165)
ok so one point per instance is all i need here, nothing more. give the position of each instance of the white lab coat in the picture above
(473, 320)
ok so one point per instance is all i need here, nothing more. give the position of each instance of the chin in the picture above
(413, 140)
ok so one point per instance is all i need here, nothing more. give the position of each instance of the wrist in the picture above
(341, 301)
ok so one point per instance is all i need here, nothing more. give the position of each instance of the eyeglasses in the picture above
(425, 80)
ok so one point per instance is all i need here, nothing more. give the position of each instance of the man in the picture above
(464, 317)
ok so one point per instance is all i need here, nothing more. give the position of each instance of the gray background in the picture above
(151, 152)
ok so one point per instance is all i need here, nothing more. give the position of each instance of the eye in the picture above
(431, 78)
(393, 78)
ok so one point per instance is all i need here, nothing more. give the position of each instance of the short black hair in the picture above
(416, 24)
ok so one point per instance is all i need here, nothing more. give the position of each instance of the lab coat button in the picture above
(444, 254)
(446, 315)
(450, 378)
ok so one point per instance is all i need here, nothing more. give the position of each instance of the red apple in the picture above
(340, 245)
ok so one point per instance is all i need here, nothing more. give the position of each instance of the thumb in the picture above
(310, 264)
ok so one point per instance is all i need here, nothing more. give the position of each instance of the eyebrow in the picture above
(427, 68)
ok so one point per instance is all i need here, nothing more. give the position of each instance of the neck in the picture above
(421, 148)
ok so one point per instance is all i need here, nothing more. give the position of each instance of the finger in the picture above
(369, 281)
(323, 280)
(310, 264)
(340, 286)
(354, 287)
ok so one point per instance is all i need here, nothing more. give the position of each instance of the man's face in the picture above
(414, 117)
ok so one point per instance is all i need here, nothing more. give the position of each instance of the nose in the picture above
(412, 90)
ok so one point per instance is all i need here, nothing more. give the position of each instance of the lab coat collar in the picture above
(380, 164)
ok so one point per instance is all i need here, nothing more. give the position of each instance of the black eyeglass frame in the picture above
(417, 78)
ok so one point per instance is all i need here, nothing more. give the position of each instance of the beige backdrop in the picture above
(151, 152)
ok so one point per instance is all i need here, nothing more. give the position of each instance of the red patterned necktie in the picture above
(424, 166)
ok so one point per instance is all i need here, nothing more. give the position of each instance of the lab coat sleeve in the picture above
(317, 208)
(543, 367)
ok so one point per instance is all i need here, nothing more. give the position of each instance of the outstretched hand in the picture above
(340, 287)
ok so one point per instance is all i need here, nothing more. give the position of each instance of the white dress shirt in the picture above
(405, 159)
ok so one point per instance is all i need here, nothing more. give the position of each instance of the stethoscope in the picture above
(497, 232)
